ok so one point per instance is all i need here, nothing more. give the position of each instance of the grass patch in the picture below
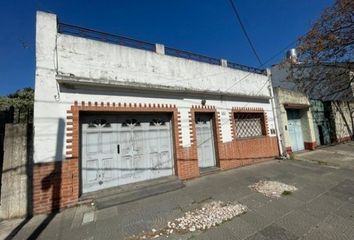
(286, 193)
(322, 163)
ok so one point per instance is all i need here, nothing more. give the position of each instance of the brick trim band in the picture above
(310, 145)
(249, 110)
(56, 185)
(216, 130)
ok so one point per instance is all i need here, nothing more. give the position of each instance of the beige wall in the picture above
(14, 189)
(342, 119)
(286, 96)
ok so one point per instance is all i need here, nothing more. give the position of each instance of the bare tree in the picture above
(331, 38)
(324, 69)
(326, 52)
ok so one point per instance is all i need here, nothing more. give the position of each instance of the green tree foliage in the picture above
(22, 99)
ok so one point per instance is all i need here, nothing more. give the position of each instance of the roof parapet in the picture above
(133, 43)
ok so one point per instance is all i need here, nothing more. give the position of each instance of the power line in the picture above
(244, 31)
(279, 52)
(268, 60)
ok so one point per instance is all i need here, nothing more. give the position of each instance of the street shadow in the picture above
(29, 170)
(51, 182)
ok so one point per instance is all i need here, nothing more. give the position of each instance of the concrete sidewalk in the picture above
(340, 155)
(322, 208)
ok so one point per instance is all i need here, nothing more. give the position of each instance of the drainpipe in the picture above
(274, 112)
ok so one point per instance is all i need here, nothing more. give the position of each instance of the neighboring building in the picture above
(341, 117)
(111, 110)
(323, 115)
(295, 120)
(324, 128)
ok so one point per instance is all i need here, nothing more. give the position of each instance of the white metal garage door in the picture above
(123, 149)
(205, 140)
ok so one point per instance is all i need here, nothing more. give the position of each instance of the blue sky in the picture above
(207, 27)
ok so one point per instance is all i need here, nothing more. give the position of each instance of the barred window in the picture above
(249, 124)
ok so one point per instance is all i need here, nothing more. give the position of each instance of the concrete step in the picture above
(132, 192)
(209, 170)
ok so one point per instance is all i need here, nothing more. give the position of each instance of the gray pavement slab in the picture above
(274, 231)
(341, 155)
(298, 222)
(341, 225)
(321, 208)
(107, 213)
(7, 226)
(220, 232)
(254, 200)
(284, 204)
(272, 212)
(256, 236)
(255, 219)
(240, 228)
(345, 187)
(327, 232)
(290, 201)
(317, 234)
(109, 229)
(346, 211)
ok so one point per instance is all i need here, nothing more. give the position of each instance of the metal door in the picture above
(295, 130)
(122, 149)
(205, 140)
(160, 147)
(98, 153)
(145, 147)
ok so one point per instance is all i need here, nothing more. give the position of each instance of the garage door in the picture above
(122, 149)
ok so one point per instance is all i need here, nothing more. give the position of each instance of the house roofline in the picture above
(115, 85)
(77, 31)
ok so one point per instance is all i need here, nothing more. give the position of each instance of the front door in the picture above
(205, 140)
(295, 130)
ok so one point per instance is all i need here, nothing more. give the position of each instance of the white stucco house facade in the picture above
(110, 110)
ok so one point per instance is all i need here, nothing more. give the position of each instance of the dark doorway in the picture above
(320, 134)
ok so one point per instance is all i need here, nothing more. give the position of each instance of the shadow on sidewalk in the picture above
(51, 181)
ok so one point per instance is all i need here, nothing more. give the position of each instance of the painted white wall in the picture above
(79, 58)
(281, 77)
(85, 58)
(49, 113)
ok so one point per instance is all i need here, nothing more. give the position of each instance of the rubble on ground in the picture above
(273, 188)
(209, 215)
